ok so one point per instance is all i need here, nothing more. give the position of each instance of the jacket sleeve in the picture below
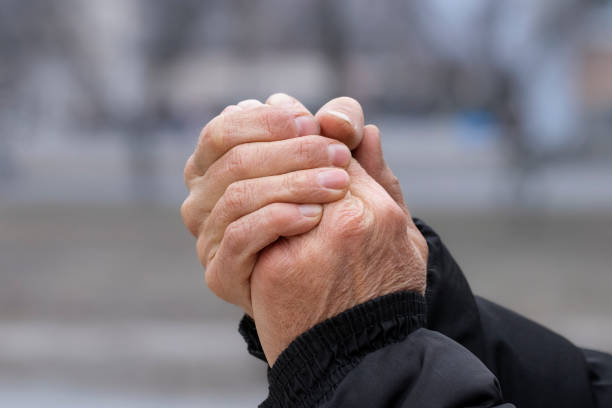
(379, 355)
(426, 370)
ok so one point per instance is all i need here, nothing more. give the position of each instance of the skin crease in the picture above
(364, 244)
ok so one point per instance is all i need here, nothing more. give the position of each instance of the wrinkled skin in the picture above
(288, 270)
(360, 250)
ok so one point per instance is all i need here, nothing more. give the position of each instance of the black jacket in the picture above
(448, 349)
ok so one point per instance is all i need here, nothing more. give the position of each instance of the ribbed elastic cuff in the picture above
(318, 360)
(248, 331)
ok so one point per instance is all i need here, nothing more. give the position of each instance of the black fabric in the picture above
(312, 366)
(535, 367)
(248, 331)
(600, 372)
(425, 370)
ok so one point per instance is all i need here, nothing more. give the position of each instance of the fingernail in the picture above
(339, 154)
(311, 210)
(334, 179)
(347, 119)
(306, 125)
(342, 116)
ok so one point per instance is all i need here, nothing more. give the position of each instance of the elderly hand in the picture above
(250, 177)
(365, 245)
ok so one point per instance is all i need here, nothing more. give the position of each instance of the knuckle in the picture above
(234, 235)
(352, 222)
(189, 216)
(236, 195)
(352, 225)
(235, 162)
(278, 122)
(190, 171)
(202, 248)
(310, 149)
(290, 182)
(211, 276)
(214, 134)
(394, 215)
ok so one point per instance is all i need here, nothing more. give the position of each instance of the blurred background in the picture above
(496, 116)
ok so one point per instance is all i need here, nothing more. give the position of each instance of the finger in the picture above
(369, 152)
(249, 103)
(230, 108)
(258, 124)
(193, 213)
(314, 186)
(254, 160)
(191, 171)
(370, 155)
(298, 109)
(342, 119)
(229, 269)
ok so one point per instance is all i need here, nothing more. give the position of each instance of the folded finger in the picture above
(261, 159)
(262, 123)
(229, 267)
(315, 186)
(370, 155)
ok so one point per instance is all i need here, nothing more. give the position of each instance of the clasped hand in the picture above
(298, 217)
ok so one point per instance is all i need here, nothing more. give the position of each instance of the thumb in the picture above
(342, 119)
(369, 154)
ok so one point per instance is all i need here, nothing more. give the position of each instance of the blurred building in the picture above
(140, 71)
(496, 117)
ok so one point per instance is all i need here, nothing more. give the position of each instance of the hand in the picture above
(247, 178)
(364, 246)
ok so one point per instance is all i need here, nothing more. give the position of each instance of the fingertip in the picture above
(369, 153)
(371, 129)
(342, 119)
(335, 126)
(371, 140)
